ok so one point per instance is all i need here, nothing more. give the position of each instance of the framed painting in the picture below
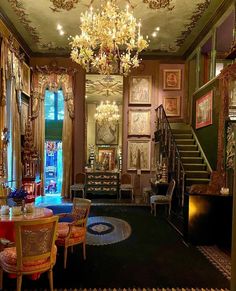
(172, 79)
(139, 122)
(106, 157)
(171, 105)
(24, 114)
(107, 133)
(204, 110)
(26, 79)
(140, 90)
(139, 152)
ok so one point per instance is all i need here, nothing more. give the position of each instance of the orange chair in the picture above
(35, 250)
(74, 232)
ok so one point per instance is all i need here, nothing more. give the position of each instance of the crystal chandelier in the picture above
(110, 41)
(107, 112)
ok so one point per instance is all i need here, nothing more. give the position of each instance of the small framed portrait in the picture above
(204, 110)
(140, 90)
(139, 152)
(26, 79)
(172, 79)
(107, 133)
(139, 122)
(171, 105)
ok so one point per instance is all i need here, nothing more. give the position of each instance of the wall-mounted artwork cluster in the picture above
(172, 81)
(139, 123)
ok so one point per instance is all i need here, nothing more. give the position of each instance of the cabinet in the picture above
(102, 183)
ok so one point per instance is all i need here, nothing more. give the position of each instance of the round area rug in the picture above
(103, 230)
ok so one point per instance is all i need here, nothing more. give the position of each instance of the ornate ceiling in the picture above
(179, 22)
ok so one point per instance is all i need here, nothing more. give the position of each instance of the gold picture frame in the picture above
(107, 133)
(136, 148)
(204, 110)
(139, 122)
(172, 105)
(26, 79)
(140, 90)
(172, 79)
(24, 115)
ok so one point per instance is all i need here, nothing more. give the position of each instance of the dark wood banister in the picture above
(169, 150)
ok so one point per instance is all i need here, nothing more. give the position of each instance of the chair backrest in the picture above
(170, 189)
(35, 240)
(80, 178)
(80, 209)
(126, 179)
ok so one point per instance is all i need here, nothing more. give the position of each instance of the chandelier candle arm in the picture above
(110, 40)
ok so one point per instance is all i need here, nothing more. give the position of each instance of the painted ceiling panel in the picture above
(36, 21)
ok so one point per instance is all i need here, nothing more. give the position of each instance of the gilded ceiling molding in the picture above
(63, 5)
(158, 4)
(200, 9)
(17, 6)
(54, 70)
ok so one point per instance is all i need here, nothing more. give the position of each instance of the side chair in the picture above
(126, 185)
(74, 232)
(163, 199)
(79, 184)
(35, 250)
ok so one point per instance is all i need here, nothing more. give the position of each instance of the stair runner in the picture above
(194, 166)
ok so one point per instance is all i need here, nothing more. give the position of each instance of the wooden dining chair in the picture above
(34, 252)
(74, 232)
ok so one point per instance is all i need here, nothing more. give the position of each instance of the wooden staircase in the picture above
(194, 165)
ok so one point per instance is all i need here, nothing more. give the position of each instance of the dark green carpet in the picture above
(153, 256)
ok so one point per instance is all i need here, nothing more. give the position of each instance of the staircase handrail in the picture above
(176, 162)
(209, 168)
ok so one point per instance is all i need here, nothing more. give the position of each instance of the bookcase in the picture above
(102, 183)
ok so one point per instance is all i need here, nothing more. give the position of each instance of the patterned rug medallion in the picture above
(104, 230)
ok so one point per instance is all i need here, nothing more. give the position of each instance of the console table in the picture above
(208, 219)
(102, 183)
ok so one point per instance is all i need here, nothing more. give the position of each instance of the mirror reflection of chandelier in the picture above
(107, 112)
(110, 41)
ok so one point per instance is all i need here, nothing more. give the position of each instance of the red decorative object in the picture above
(204, 110)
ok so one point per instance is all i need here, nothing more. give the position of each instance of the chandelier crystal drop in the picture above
(110, 41)
(107, 112)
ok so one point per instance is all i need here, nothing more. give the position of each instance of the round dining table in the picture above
(7, 220)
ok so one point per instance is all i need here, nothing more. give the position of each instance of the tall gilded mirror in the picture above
(104, 98)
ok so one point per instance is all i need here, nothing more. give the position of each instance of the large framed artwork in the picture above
(139, 122)
(140, 90)
(172, 79)
(139, 152)
(107, 133)
(26, 79)
(204, 110)
(171, 105)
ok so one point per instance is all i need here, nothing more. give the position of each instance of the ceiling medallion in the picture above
(158, 4)
(63, 4)
(110, 41)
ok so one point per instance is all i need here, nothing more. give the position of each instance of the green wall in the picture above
(208, 135)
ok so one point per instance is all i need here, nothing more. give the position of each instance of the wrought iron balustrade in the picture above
(168, 150)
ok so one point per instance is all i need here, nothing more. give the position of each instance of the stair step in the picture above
(191, 160)
(180, 141)
(183, 135)
(194, 167)
(191, 181)
(187, 147)
(189, 153)
(197, 174)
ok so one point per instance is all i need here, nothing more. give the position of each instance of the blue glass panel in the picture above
(60, 105)
(49, 105)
